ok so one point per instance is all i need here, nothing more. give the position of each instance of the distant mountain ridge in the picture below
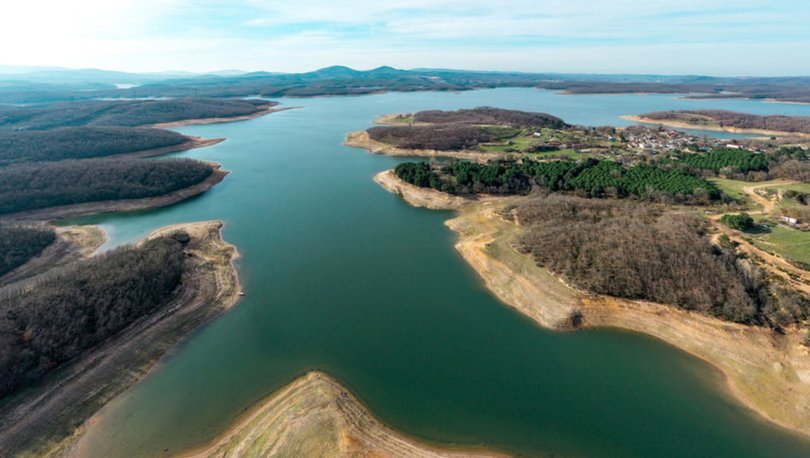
(48, 85)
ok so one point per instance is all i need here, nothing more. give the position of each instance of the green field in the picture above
(791, 244)
(733, 188)
(798, 187)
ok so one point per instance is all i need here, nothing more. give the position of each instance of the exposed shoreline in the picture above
(419, 197)
(734, 130)
(361, 139)
(192, 122)
(127, 205)
(766, 372)
(316, 416)
(192, 143)
(72, 243)
(49, 420)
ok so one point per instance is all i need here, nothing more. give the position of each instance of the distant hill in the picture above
(342, 80)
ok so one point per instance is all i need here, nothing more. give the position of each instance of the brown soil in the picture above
(316, 416)
(190, 122)
(419, 197)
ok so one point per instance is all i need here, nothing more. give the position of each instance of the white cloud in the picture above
(695, 36)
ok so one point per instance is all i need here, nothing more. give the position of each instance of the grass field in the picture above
(733, 188)
(791, 244)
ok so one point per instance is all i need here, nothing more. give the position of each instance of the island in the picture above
(647, 239)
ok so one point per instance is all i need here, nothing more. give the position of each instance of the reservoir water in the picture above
(343, 277)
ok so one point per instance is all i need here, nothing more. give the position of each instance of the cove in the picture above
(343, 277)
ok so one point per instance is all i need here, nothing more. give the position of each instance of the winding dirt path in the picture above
(776, 265)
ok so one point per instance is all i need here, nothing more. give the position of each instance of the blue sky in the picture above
(742, 37)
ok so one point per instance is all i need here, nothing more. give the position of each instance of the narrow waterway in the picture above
(343, 277)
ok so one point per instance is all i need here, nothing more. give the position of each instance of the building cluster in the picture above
(657, 141)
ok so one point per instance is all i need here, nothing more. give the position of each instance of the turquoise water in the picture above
(343, 277)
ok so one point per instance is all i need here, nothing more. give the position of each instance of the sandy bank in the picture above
(735, 130)
(49, 420)
(397, 119)
(127, 205)
(192, 143)
(361, 139)
(316, 416)
(767, 372)
(419, 197)
(191, 122)
(429, 198)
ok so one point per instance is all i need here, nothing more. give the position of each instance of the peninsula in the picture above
(662, 262)
(110, 316)
(728, 121)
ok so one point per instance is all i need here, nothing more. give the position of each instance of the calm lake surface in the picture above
(343, 277)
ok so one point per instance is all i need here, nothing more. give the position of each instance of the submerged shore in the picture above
(767, 372)
(316, 416)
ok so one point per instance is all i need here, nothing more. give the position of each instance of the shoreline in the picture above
(199, 121)
(52, 418)
(766, 373)
(124, 205)
(315, 415)
(192, 143)
(360, 139)
(72, 243)
(419, 197)
(733, 130)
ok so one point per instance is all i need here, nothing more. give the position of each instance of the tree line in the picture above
(639, 251)
(64, 316)
(492, 116)
(128, 113)
(81, 143)
(590, 178)
(18, 244)
(33, 186)
(737, 160)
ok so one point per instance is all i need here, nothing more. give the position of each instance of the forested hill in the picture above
(48, 184)
(81, 143)
(64, 316)
(491, 116)
(346, 81)
(723, 118)
(124, 113)
(19, 244)
(462, 129)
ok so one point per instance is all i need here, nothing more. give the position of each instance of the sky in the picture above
(713, 37)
